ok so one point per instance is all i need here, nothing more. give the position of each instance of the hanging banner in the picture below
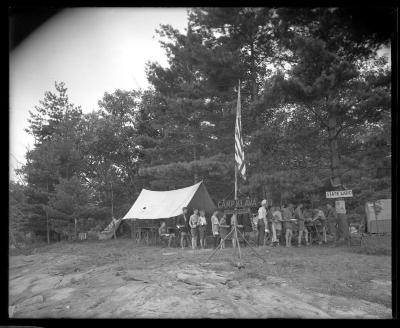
(340, 207)
(240, 203)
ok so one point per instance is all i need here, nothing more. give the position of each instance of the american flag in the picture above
(239, 153)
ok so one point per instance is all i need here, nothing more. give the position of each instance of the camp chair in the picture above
(314, 231)
(164, 240)
(356, 238)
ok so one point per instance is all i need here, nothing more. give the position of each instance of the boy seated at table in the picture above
(164, 235)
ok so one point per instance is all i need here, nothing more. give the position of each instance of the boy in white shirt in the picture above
(193, 222)
(262, 223)
(202, 223)
(215, 228)
(276, 225)
(320, 216)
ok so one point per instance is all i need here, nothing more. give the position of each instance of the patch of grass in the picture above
(374, 245)
(30, 248)
(256, 275)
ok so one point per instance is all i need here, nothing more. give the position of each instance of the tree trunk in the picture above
(112, 200)
(334, 150)
(254, 90)
(47, 227)
(131, 224)
(76, 229)
(195, 175)
(13, 240)
(263, 192)
(47, 216)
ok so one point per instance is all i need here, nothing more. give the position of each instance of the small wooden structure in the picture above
(379, 216)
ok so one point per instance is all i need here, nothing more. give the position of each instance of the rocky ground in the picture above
(118, 279)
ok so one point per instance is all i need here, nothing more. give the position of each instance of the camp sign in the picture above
(340, 207)
(339, 193)
(239, 203)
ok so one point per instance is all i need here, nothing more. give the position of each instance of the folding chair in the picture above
(314, 234)
(165, 240)
(356, 238)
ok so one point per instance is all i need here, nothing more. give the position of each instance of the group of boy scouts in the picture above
(273, 223)
(280, 222)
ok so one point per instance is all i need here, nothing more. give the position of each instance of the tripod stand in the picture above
(235, 242)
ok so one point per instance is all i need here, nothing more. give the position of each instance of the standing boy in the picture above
(276, 225)
(215, 228)
(298, 213)
(183, 227)
(287, 217)
(262, 223)
(193, 221)
(202, 223)
(320, 216)
(331, 216)
(223, 228)
(234, 222)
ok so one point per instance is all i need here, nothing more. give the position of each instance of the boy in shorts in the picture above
(202, 223)
(193, 221)
(288, 226)
(276, 226)
(320, 216)
(183, 228)
(298, 213)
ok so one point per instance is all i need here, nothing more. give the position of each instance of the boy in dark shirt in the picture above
(331, 217)
(298, 213)
(287, 224)
(183, 227)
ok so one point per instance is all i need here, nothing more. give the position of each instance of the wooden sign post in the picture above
(340, 205)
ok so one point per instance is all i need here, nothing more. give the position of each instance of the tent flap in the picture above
(166, 204)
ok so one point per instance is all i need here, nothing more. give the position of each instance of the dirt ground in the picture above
(118, 279)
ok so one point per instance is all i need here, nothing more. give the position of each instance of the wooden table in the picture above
(314, 233)
(148, 234)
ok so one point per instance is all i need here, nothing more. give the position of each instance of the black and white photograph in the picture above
(201, 162)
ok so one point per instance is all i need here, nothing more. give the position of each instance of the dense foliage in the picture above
(315, 113)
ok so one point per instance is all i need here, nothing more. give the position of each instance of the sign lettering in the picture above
(240, 203)
(339, 193)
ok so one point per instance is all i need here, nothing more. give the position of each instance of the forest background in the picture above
(316, 115)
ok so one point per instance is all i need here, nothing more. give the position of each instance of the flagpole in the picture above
(236, 169)
(236, 185)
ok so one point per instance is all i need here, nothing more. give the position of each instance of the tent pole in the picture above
(131, 221)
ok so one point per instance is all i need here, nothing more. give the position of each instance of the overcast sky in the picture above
(92, 50)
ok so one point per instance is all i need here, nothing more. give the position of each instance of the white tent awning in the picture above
(165, 204)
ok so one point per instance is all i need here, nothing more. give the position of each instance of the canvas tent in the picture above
(379, 216)
(152, 205)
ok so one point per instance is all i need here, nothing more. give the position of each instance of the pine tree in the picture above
(335, 78)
